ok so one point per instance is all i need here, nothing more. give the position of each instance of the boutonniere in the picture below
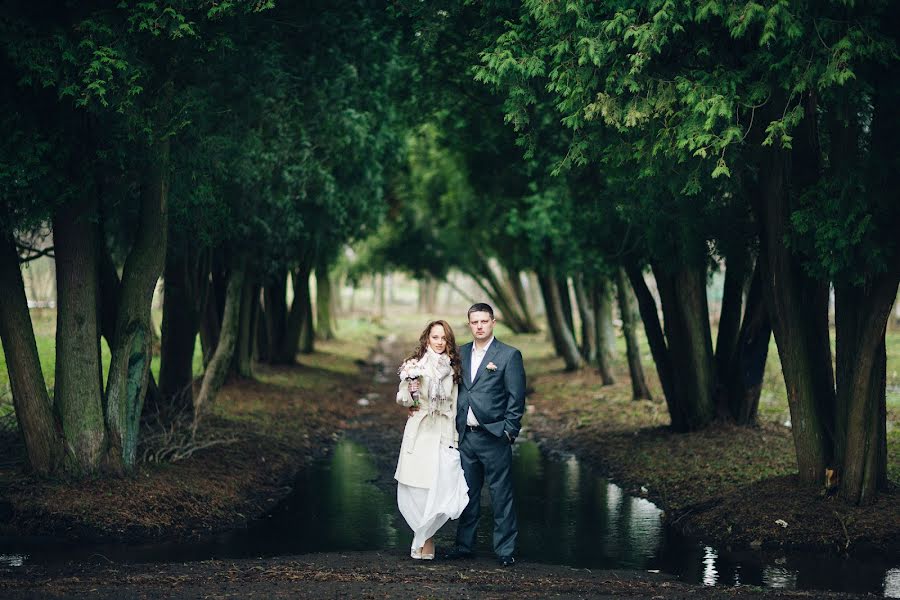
(491, 367)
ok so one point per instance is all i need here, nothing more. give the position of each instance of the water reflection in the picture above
(567, 515)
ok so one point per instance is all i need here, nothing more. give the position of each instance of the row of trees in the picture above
(674, 138)
(221, 145)
(582, 142)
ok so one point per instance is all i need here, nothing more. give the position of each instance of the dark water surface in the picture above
(567, 515)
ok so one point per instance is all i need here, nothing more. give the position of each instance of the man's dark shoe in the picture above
(456, 554)
(507, 561)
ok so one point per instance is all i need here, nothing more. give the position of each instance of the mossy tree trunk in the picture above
(324, 303)
(34, 411)
(131, 352)
(588, 325)
(218, 367)
(78, 395)
(604, 330)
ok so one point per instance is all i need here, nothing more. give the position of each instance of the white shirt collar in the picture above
(486, 346)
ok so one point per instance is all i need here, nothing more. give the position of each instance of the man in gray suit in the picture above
(489, 416)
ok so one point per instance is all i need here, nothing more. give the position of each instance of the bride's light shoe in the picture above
(427, 555)
(417, 553)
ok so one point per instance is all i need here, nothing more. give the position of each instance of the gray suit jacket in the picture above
(497, 397)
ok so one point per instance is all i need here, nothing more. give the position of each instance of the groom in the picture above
(488, 418)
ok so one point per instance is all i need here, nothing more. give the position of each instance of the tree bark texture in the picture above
(131, 353)
(657, 341)
(588, 325)
(798, 308)
(729, 328)
(689, 342)
(78, 395)
(604, 330)
(324, 303)
(628, 310)
(218, 367)
(748, 364)
(556, 320)
(861, 317)
(501, 295)
(243, 354)
(299, 312)
(521, 300)
(34, 411)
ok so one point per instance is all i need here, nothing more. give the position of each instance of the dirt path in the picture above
(377, 424)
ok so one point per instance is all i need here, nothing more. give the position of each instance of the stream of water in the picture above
(567, 515)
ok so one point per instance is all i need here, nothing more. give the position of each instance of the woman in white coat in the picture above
(431, 487)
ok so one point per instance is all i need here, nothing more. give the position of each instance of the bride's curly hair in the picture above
(452, 350)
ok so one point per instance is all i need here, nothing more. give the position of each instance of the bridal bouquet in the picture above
(409, 370)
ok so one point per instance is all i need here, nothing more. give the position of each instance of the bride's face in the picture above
(437, 339)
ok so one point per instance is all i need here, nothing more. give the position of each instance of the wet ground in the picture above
(339, 535)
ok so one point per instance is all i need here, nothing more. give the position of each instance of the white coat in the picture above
(425, 432)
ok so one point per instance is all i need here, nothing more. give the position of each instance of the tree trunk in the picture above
(299, 313)
(179, 329)
(657, 341)
(798, 307)
(588, 325)
(325, 318)
(308, 328)
(565, 299)
(861, 315)
(242, 363)
(604, 330)
(729, 328)
(218, 368)
(628, 311)
(34, 411)
(275, 321)
(521, 300)
(500, 294)
(748, 365)
(211, 305)
(131, 353)
(78, 395)
(556, 320)
(689, 342)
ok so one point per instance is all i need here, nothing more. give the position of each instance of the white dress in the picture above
(431, 486)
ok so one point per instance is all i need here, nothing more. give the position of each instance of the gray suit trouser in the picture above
(485, 456)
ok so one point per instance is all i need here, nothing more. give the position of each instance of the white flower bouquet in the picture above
(409, 370)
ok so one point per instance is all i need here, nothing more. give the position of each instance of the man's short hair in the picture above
(480, 307)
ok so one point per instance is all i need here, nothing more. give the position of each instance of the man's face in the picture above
(482, 325)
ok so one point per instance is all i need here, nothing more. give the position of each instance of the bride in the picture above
(431, 487)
